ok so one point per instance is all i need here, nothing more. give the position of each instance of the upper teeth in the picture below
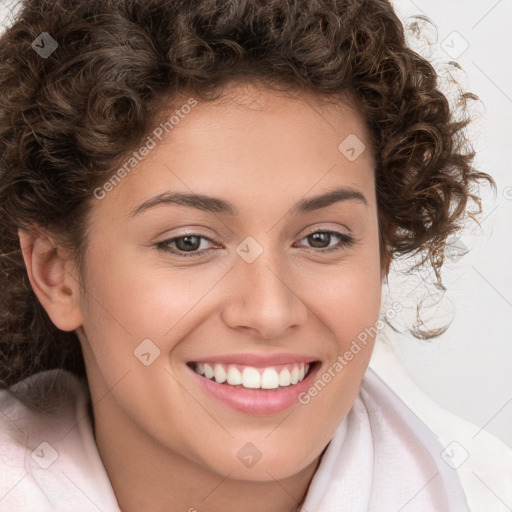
(250, 377)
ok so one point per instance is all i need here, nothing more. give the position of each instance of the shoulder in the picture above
(47, 450)
(482, 462)
(40, 404)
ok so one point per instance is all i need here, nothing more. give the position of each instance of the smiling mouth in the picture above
(250, 377)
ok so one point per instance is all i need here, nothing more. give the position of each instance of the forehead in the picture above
(251, 108)
(253, 141)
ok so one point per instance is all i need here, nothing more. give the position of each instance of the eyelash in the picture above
(345, 241)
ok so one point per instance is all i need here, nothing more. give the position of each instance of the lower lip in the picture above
(257, 401)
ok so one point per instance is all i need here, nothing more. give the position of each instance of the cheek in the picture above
(348, 304)
(347, 299)
(129, 301)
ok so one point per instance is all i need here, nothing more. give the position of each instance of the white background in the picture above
(468, 369)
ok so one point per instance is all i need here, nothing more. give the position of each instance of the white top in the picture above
(382, 458)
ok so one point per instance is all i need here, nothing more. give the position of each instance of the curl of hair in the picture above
(67, 120)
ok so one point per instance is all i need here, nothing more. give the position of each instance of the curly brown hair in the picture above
(68, 119)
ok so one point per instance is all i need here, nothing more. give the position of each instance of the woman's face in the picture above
(250, 288)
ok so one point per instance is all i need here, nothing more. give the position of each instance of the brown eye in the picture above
(321, 240)
(318, 240)
(188, 243)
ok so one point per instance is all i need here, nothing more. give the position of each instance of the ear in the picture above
(51, 275)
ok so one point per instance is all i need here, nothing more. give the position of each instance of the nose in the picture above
(264, 300)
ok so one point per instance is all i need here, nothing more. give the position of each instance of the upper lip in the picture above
(257, 360)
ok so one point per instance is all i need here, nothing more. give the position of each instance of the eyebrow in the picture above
(217, 205)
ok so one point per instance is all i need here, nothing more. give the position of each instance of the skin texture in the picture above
(164, 441)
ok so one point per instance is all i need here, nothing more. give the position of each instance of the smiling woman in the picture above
(191, 296)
